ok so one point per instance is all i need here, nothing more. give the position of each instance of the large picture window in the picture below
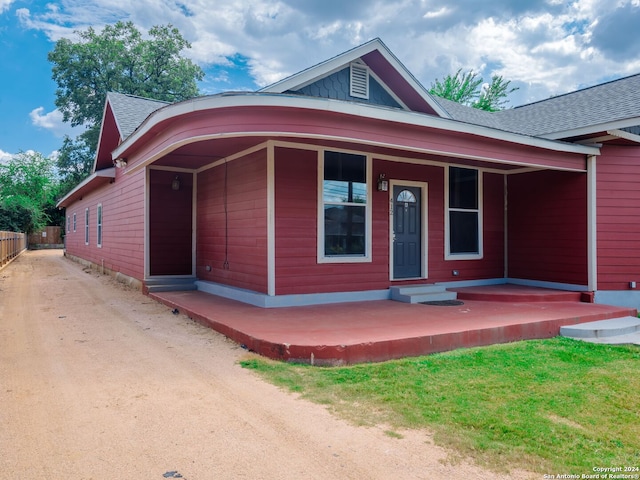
(345, 207)
(464, 220)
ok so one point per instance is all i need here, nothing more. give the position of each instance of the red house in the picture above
(348, 179)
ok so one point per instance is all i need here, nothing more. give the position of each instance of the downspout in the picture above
(592, 227)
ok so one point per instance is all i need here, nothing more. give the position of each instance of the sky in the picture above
(544, 48)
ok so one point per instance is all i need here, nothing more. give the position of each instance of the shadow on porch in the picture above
(348, 333)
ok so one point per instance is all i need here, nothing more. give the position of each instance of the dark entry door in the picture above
(407, 232)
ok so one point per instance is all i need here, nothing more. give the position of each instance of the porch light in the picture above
(383, 184)
(175, 183)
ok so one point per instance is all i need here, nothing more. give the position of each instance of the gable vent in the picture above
(359, 81)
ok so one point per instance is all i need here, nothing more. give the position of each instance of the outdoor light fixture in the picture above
(383, 184)
(120, 162)
(175, 183)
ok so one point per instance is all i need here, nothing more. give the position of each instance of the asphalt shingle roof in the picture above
(601, 104)
(130, 111)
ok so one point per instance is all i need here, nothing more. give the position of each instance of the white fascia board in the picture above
(626, 135)
(596, 128)
(106, 172)
(347, 108)
(320, 70)
(334, 64)
(104, 113)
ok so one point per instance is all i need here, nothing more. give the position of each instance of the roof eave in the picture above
(337, 106)
(89, 183)
(632, 137)
(592, 129)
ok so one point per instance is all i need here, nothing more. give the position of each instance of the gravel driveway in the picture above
(100, 382)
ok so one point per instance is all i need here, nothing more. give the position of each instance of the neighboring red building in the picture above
(348, 178)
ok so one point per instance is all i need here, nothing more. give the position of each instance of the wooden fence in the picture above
(48, 237)
(11, 245)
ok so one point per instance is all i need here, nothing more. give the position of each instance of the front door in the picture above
(407, 232)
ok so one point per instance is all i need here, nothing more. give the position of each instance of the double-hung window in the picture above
(464, 216)
(99, 225)
(86, 226)
(345, 225)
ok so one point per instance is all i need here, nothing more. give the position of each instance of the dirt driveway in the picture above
(100, 382)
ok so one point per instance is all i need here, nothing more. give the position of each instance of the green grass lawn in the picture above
(547, 406)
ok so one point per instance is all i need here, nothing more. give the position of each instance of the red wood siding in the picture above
(297, 269)
(241, 239)
(547, 225)
(170, 224)
(122, 226)
(491, 265)
(618, 217)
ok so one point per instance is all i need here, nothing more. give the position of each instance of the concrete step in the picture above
(421, 293)
(170, 284)
(605, 331)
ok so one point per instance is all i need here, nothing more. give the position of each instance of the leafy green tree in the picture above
(74, 163)
(494, 96)
(28, 188)
(116, 59)
(469, 89)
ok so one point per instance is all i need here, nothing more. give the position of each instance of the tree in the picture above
(74, 163)
(469, 89)
(117, 59)
(28, 188)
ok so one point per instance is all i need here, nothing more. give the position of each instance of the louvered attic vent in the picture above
(359, 81)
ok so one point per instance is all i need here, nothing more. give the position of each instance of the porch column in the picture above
(592, 227)
(271, 222)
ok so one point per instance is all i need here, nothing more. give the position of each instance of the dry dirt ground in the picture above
(100, 382)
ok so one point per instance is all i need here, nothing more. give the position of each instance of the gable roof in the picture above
(130, 111)
(122, 115)
(384, 64)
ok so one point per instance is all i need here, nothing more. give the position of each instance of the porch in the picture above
(358, 332)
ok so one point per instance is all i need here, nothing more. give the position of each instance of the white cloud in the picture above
(5, 4)
(5, 156)
(52, 121)
(545, 46)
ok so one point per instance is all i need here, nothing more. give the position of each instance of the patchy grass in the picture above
(557, 406)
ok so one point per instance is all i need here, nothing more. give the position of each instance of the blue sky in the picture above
(544, 47)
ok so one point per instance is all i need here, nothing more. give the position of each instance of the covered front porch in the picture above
(358, 332)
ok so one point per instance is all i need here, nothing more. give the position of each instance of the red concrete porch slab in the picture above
(349, 333)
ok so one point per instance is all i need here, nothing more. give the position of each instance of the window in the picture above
(86, 226)
(464, 220)
(344, 232)
(74, 222)
(68, 224)
(99, 225)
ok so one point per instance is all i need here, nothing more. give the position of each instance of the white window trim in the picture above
(447, 243)
(366, 258)
(99, 223)
(86, 226)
